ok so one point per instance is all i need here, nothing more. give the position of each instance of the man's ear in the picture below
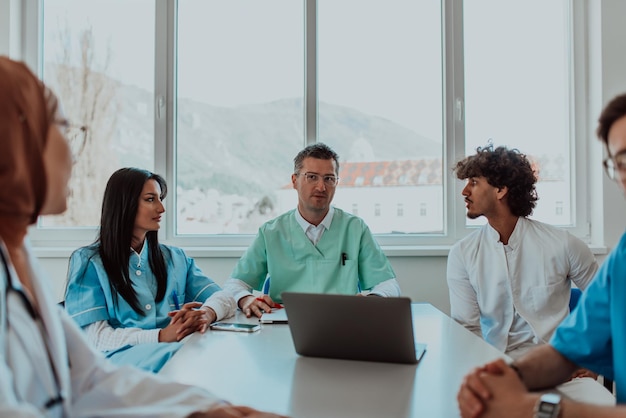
(293, 180)
(502, 192)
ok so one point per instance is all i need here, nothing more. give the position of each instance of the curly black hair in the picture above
(503, 167)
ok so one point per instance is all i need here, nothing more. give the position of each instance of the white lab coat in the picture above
(89, 384)
(490, 285)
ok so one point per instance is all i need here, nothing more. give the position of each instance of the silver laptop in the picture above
(350, 327)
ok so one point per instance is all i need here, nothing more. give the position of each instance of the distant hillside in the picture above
(243, 150)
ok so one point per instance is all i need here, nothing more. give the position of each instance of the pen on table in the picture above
(344, 257)
(175, 297)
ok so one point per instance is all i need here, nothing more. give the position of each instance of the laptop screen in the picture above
(367, 328)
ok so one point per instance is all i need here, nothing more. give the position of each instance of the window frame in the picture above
(453, 131)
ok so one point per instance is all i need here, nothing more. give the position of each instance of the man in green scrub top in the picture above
(314, 248)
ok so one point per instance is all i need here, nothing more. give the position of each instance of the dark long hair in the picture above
(119, 210)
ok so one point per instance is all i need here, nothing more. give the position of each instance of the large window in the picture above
(240, 112)
(518, 92)
(219, 96)
(98, 56)
(380, 106)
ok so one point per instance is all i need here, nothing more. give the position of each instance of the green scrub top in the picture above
(345, 259)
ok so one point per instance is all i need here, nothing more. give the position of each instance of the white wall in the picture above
(607, 78)
(423, 277)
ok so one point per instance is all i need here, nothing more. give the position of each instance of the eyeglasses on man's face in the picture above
(313, 178)
(615, 167)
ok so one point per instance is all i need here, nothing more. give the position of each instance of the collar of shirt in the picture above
(140, 254)
(314, 233)
(514, 239)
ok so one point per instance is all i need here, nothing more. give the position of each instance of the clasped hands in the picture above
(191, 317)
(494, 390)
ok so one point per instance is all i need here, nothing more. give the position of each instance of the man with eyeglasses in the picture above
(593, 336)
(314, 248)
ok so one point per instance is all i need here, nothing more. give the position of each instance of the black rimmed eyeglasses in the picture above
(615, 167)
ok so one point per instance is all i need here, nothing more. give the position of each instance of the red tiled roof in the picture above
(424, 172)
(391, 173)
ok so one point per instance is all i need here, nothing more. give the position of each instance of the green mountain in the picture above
(243, 150)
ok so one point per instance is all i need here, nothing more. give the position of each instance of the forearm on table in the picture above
(238, 289)
(544, 367)
(388, 288)
(572, 409)
(104, 337)
(222, 303)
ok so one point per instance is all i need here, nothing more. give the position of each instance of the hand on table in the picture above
(231, 411)
(252, 305)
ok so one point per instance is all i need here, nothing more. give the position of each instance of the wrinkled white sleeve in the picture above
(104, 337)
(222, 303)
(237, 289)
(388, 288)
(102, 389)
(583, 264)
(463, 300)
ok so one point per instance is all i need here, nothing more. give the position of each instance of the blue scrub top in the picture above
(593, 336)
(89, 297)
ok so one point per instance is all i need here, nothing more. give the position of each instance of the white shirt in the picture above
(314, 233)
(515, 295)
(104, 337)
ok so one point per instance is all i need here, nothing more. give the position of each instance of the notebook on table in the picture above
(366, 328)
(276, 316)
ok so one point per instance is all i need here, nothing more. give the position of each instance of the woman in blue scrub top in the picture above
(130, 293)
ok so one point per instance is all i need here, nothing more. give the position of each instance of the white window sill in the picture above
(236, 252)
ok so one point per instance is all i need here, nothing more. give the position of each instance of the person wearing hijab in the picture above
(136, 298)
(47, 368)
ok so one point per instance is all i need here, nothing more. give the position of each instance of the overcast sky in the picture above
(380, 57)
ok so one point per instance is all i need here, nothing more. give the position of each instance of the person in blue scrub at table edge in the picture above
(315, 248)
(47, 367)
(593, 336)
(130, 293)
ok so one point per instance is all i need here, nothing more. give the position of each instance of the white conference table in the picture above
(262, 370)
